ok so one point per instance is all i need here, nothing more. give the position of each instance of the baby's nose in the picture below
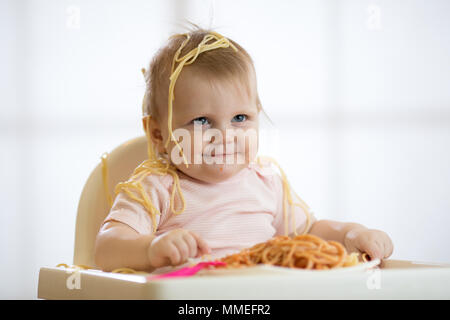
(228, 136)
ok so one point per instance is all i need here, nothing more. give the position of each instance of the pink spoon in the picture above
(187, 271)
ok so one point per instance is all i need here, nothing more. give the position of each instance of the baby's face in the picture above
(218, 120)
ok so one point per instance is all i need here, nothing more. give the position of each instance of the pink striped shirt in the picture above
(231, 215)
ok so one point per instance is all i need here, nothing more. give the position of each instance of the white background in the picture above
(359, 92)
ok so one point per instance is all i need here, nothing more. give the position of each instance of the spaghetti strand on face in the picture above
(189, 58)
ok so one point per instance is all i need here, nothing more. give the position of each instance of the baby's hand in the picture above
(175, 247)
(375, 243)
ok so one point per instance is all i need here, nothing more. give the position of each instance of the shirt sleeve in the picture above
(297, 218)
(133, 214)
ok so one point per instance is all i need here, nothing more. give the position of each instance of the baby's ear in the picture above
(154, 132)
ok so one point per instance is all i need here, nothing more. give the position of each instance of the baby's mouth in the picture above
(228, 150)
(228, 158)
(213, 154)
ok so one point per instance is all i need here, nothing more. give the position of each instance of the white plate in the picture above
(268, 269)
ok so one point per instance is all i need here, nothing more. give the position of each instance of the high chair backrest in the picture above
(93, 206)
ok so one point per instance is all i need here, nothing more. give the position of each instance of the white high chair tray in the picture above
(396, 279)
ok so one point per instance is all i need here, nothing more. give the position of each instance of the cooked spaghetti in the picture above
(302, 251)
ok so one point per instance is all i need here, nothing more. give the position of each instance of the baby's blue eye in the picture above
(239, 118)
(201, 120)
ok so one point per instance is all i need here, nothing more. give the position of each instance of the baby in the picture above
(207, 193)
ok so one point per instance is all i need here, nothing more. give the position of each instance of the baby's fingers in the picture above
(201, 244)
(173, 254)
(192, 244)
(388, 247)
(388, 251)
(373, 249)
(183, 249)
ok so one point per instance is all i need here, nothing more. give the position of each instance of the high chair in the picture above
(93, 206)
(397, 279)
